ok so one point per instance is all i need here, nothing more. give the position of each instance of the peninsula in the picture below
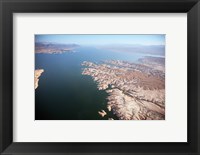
(38, 73)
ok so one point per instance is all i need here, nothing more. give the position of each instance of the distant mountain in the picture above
(50, 48)
(146, 49)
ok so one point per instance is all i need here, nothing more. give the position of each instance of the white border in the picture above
(173, 129)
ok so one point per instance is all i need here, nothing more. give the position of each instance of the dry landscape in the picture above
(136, 91)
(52, 48)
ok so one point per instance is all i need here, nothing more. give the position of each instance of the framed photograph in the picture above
(99, 77)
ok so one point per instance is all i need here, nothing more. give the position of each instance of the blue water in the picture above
(64, 93)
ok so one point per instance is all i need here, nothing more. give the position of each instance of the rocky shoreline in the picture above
(38, 73)
(136, 91)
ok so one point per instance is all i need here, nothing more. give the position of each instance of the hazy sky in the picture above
(155, 39)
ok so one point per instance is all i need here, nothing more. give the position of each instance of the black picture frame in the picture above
(8, 7)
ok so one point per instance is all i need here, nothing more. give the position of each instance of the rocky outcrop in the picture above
(38, 73)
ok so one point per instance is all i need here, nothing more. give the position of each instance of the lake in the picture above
(64, 93)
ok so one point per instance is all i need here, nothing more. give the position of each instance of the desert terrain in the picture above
(136, 91)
